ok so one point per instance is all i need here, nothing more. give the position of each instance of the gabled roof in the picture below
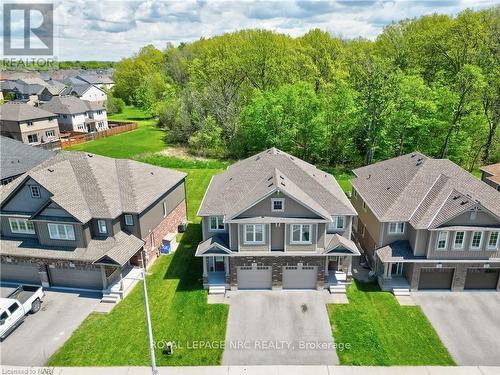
(215, 245)
(248, 181)
(493, 171)
(424, 191)
(17, 158)
(96, 78)
(334, 244)
(17, 111)
(91, 186)
(70, 105)
(78, 90)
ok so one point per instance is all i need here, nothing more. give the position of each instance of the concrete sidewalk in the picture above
(259, 370)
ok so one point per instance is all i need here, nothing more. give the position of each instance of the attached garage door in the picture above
(482, 278)
(436, 278)
(26, 273)
(256, 277)
(299, 277)
(75, 278)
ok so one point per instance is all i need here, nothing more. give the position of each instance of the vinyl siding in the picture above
(22, 201)
(80, 238)
(371, 223)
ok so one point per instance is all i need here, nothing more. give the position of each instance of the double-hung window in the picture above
(277, 205)
(337, 224)
(442, 240)
(458, 241)
(301, 234)
(493, 241)
(254, 234)
(216, 224)
(396, 228)
(61, 232)
(476, 240)
(102, 226)
(21, 226)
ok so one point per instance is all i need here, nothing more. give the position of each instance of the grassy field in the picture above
(383, 333)
(179, 310)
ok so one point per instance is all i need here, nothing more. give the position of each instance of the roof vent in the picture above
(420, 159)
(388, 188)
(456, 197)
(271, 184)
(257, 158)
(413, 155)
(90, 155)
(270, 178)
(369, 176)
(282, 177)
(463, 202)
(283, 184)
(418, 163)
(292, 158)
(152, 173)
(50, 170)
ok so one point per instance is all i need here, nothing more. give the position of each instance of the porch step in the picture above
(217, 289)
(110, 298)
(401, 291)
(337, 288)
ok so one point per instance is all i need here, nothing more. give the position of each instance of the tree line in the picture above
(430, 84)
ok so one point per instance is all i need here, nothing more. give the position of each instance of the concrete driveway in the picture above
(41, 334)
(468, 324)
(278, 328)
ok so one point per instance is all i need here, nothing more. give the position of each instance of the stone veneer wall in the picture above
(458, 276)
(277, 263)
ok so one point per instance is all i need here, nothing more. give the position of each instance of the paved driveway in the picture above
(278, 328)
(41, 334)
(468, 324)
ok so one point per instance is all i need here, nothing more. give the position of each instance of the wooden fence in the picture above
(73, 138)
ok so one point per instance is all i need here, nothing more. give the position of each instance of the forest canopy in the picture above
(430, 84)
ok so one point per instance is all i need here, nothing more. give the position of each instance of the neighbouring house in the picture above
(31, 90)
(87, 92)
(28, 124)
(16, 158)
(273, 221)
(491, 175)
(103, 81)
(427, 224)
(79, 220)
(74, 114)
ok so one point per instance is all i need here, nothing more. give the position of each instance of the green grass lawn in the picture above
(383, 333)
(178, 304)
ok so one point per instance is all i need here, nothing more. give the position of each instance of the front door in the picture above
(334, 264)
(397, 269)
(216, 264)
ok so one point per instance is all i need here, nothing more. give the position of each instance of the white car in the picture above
(22, 301)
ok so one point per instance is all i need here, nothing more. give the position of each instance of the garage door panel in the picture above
(482, 278)
(255, 277)
(76, 278)
(436, 278)
(300, 277)
(26, 273)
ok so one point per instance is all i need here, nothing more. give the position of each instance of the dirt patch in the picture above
(181, 153)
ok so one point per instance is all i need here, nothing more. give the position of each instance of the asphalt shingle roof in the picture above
(424, 191)
(17, 111)
(249, 180)
(17, 157)
(92, 186)
(70, 105)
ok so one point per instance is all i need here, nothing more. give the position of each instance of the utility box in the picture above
(168, 243)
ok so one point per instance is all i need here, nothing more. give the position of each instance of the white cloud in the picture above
(110, 30)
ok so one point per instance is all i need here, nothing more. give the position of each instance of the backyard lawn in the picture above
(179, 309)
(383, 333)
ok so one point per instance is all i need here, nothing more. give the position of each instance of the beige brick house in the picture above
(273, 221)
(427, 224)
(83, 221)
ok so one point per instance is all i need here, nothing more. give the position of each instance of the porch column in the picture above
(385, 270)
(388, 267)
(205, 274)
(326, 266)
(349, 269)
(226, 265)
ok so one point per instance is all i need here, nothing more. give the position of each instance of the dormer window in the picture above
(35, 191)
(277, 204)
(129, 220)
(102, 226)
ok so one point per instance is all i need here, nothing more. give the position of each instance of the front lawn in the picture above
(178, 304)
(383, 333)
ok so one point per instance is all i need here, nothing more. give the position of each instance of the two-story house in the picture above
(273, 221)
(87, 92)
(79, 220)
(28, 124)
(427, 224)
(75, 114)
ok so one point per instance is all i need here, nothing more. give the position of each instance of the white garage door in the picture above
(26, 273)
(255, 277)
(76, 278)
(299, 277)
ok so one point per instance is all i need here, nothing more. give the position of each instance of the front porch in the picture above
(215, 271)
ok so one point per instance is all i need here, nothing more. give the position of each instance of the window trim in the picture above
(100, 227)
(462, 245)
(25, 222)
(334, 225)
(398, 224)
(445, 241)
(217, 218)
(301, 242)
(127, 222)
(32, 135)
(56, 236)
(254, 242)
(488, 246)
(478, 248)
(282, 200)
(37, 189)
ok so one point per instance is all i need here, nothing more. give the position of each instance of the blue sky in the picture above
(110, 30)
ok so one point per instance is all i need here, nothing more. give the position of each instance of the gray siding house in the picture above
(79, 220)
(427, 224)
(273, 221)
